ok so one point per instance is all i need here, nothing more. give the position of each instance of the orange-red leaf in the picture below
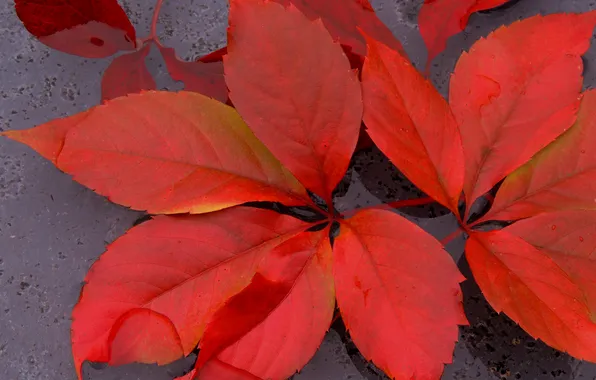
(89, 28)
(206, 78)
(166, 153)
(399, 295)
(343, 18)
(296, 91)
(150, 297)
(412, 124)
(440, 19)
(512, 94)
(274, 326)
(540, 272)
(561, 176)
(127, 74)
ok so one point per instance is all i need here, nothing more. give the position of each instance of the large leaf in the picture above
(399, 295)
(440, 19)
(89, 28)
(150, 297)
(127, 74)
(540, 272)
(343, 18)
(206, 78)
(273, 327)
(412, 124)
(561, 176)
(295, 90)
(512, 94)
(166, 153)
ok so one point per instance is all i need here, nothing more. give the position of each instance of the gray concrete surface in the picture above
(52, 229)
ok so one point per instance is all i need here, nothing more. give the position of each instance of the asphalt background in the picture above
(52, 229)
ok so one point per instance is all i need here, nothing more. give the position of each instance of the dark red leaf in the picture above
(343, 18)
(89, 28)
(296, 91)
(440, 19)
(398, 293)
(273, 327)
(540, 272)
(206, 78)
(412, 124)
(512, 94)
(127, 74)
(160, 284)
(166, 153)
(560, 177)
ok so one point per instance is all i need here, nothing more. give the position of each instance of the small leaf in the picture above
(540, 272)
(343, 18)
(440, 19)
(165, 153)
(88, 28)
(206, 78)
(127, 74)
(159, 284)
(296, 91)
(274, 326)
(412, 124)
(512, 94)
(399, 295)
(562, 176)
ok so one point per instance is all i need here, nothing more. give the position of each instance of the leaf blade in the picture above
(91, 29)
(512, 95)
(308, 119)
(440, 19)
(293, 329)
(541, 278)
(412, 124)
(390, 273)
(169, 267)
(127, 74)
(559, 177)
(206, 78)
(166, 153)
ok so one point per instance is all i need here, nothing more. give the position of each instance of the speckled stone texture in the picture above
(52, 229)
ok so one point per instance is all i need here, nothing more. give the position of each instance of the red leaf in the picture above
(412, 124)
(274, 326)
(540, 272)
(440, 19)
(343, 18)
(307, 111)
(127, 74)
(159, 284)
(513, 94)
(206, 78)
(166, 153)
(561, 176)
(88, 28)
(399, 295)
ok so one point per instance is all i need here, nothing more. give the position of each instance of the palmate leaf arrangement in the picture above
(254, 289)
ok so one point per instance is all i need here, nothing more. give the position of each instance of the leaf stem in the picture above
(391, 205)
(452, 236)
(156, 11)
